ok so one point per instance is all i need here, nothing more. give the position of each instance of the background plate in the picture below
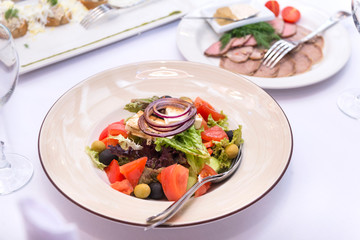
(194, 37)
(76, 119)
(63, 42)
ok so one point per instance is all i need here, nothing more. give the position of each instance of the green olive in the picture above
(142, 190)
(232, 151)
(98, 146)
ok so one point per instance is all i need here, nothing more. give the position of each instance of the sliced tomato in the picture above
(273, 6)
(174, 180)
(205, 109)
(290, 14)
(117, 129)
(105, 132)
(113, 172)
(110, 141)
(158, 177)
(208, 144)
(133, 170)
(205, 172)
(215, 133)
(123, 186)
(210, 151)
(198, 102)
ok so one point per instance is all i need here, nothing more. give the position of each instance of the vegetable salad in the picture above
(161, 150)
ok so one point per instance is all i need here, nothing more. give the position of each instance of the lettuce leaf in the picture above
(190, 143)
(94, 156)
(139, 104)
(223, 123)
(219, 148)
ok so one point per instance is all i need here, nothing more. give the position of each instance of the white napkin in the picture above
(43, 221)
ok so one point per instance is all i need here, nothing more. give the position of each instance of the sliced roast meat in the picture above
(238, 42)
(288, 30)
(257, 53)
(302, 62)
(240, 54)
(300, 33)
(277, 24)
(318, 41)
(264, 71)
(312, 51)
(215, 49)
(247, 68)
(251, 42)
(286, 67)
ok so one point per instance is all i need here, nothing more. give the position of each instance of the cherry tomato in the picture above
(105, 133)
(174, 180)
(215, 133)
(273, 6)
(123, 186)
(290, 14)
(205, 172)
(133, 170)
(113, 172)
(110, 141)
(205, 109)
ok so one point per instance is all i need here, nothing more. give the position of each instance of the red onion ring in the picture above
(150, 127)
(150, 110)
(165, 104)
(144, 128)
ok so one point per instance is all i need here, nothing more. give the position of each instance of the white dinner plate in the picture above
(59, 43)
(195, 36)
(77, 118)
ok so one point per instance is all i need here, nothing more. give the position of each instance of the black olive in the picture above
(166, 96)
(156, 190)
(106, 157)
(230, 134)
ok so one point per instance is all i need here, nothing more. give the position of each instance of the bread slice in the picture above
(60, 17)
(90, 4)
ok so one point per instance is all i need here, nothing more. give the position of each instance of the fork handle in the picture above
(329, 23)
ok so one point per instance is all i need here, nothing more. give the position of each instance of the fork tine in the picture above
(281, 56)
(273, 50)
(281, 50)
(92, 16)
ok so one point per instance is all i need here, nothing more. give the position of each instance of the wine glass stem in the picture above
(3, 162)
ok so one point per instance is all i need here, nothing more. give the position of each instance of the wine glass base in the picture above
(16, 176)
(349, 103)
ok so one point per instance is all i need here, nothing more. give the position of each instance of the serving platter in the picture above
(59, 43)
(76, 119)
(194, 37)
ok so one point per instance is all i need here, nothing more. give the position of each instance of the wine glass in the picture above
(349, 100)
(15, 169)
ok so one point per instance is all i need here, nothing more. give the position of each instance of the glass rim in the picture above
(10, 39)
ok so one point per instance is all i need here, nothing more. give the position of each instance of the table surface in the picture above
(317, 198)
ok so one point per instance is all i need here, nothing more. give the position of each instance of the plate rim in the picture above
(278, 178)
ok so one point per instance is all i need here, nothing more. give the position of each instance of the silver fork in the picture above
(282, 47)
(165, 215)
(100, 11)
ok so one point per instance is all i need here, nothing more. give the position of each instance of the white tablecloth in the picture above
(317, 198)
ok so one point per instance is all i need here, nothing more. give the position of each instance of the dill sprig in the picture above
(11, 13)
(263, 33)
(52, 2)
